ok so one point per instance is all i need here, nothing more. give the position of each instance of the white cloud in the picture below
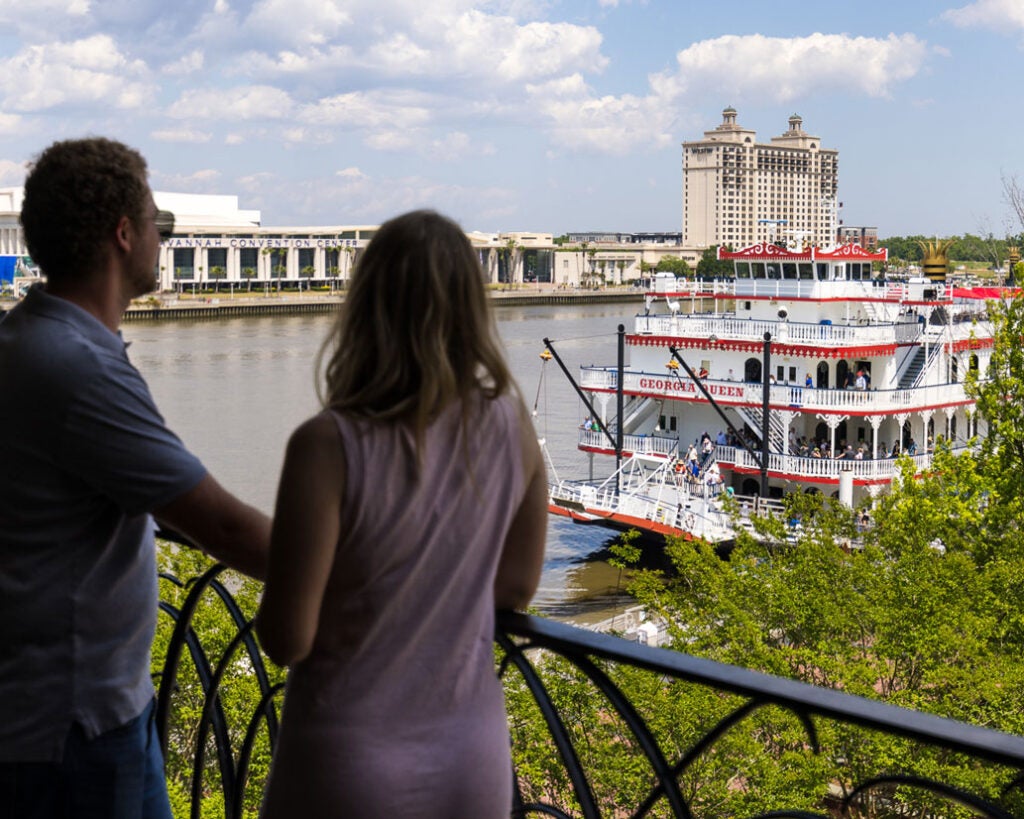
(251, 102)
(751, 66)
(608, 124)
(466, 46)
(353, 197)
(385, 110)
(498, 47)
(305, 136)
(993, 14)
(11, 173)
(206, 180)
(298, 22)
(83, 72)
(391, 141)
(399, 54)
(186, 64)
(181, 135)
(780, 69)
(234, 139)
(450, 147)
(10, 123)
(42, 17)
(255, 182)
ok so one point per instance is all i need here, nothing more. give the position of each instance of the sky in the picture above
(524, 115)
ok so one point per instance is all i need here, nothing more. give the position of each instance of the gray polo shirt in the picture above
(84, 458)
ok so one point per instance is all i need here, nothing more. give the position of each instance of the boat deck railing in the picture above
(555, 667)
(881, 469)
(726, 329)
(780, 396)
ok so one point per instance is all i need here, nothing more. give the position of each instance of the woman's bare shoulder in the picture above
(321, 429)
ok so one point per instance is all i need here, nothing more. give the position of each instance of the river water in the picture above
(233, 389)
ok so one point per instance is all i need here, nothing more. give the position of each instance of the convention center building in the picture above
(218, 246)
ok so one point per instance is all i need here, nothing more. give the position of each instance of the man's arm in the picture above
(228, 530)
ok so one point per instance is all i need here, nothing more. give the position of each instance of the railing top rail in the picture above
(983, 743)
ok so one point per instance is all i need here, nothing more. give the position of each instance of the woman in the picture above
(408, 509)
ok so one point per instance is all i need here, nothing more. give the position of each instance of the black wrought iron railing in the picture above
(600, 727)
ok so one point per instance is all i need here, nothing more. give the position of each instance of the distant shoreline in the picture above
(225, 307)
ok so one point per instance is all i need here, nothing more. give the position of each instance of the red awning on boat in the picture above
(985, 292)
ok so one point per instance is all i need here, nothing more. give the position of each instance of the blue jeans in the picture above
(117, 775)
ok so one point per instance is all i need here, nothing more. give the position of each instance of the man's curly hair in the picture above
(75, 194)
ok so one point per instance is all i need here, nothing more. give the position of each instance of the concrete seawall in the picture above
(226, 308)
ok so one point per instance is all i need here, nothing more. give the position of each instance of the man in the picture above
(87, 464)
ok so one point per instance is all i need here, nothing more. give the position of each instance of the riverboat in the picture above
(807, 371)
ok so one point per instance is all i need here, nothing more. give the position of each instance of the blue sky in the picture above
(545, 115)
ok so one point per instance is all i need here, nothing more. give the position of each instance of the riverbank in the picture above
(156, 308)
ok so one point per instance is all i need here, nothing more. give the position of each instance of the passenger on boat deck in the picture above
(808, 381)
(816, 453)
(895, 450)
(721, 440)
(706, 449)
(912, 447)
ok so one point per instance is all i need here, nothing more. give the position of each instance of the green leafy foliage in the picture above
(923, 609)
(711, 267)
(673, 264)
(239, 692)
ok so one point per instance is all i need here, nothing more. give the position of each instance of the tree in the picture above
(673, 264)
(1013, 193)
(711, 267)
(511, 252)
(1003, 445)
(248, 273)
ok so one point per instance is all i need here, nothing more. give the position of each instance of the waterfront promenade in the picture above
(197, 307)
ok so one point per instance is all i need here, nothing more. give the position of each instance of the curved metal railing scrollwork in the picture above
(557, 677)
(538, 649)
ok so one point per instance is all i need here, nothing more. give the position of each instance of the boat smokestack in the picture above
(935, 259)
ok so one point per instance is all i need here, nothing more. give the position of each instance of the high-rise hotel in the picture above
(738, 192)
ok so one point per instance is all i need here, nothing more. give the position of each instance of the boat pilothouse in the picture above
(853, 369)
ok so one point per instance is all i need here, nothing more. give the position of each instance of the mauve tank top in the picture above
(397, 711)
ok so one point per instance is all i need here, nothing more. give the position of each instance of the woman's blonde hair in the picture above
(415, 333)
